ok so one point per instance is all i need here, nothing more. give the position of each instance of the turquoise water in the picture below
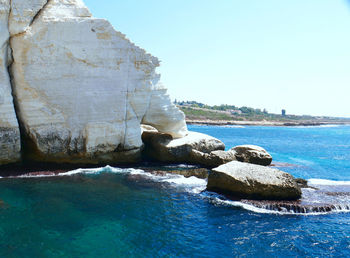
(112, 212)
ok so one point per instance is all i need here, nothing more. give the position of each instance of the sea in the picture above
(127, 212)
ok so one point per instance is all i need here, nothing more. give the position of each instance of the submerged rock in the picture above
(250, 181)
(252, 154)
(196, 172)
(162, 147)
(81, 88)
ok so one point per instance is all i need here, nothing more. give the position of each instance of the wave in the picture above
(310, 205)
(328, 126)
(190, 184)
(87, 171)
(234, 126)
(242, 205)
(285, 209)
(326, 182)
(314, 202)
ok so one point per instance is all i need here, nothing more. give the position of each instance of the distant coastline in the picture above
(226, 115)
(261, 123)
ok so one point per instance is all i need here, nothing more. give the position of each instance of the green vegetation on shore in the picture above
(199, 111)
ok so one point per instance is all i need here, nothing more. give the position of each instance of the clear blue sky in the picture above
(273, 54)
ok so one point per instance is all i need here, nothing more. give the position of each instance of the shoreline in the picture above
(306, 205)
(262, 123)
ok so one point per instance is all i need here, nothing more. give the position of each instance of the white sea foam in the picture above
(283, 211)
(189, 184)
(87, 171)
(197, 186)
(317, 181)
(192, 184)
(234, 126)
(327, 126)
(190, 181)
(245, 206)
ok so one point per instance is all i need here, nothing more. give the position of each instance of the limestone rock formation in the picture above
(10, 145)
(162, 147)
(212, 159)
(22, 14)
(243, 180)
(252, 154)
(81, 88)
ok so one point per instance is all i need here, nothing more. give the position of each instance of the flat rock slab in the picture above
(255, 182)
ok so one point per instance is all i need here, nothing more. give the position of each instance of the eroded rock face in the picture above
(162, 147)
(252, 154)
(10, 145)
(82, 89)
(23, 13)
(243, 180)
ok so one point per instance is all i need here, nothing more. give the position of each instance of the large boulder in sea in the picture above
(163, 147)
(81, 88)
(249, 181)
(252, 154)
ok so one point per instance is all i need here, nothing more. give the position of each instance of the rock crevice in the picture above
(9, 130)
(38, 13)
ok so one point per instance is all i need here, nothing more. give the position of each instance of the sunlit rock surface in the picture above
(252, 154)
(251, 181)
(189, 149)
(82, 88)
(22, 14)
(10, 145)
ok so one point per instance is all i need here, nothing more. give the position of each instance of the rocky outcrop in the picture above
(243, 180)
(162, 147)
(81, 88)
(252, 154)
(196, 149)
(302, 183)
(10, 145)
(212, 159)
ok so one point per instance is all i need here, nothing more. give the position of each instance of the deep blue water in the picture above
(320, 152)
(127, 213)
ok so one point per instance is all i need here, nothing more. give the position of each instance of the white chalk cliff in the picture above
(10, 145)
(80, 88)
